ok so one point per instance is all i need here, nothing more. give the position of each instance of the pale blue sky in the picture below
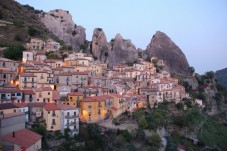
(198, 27)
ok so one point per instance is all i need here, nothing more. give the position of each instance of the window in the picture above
(52, 127)
(53, 114)
(48, 93)
(53, 122)
(15, 110)
(18, 94)
(37, 99)
(48, 112)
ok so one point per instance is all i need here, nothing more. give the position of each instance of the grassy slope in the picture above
(22, 18)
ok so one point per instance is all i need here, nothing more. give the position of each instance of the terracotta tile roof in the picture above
(88, 99)
(56, 95)
(107, 97)
(64, 74)
(20, 105)
(116, 95)
(75, 94)
(28, 92)
(51, 107)
(36, 104)
(5, 106)
(114, 108)
(27, 75)
(23, 138)
(42, 89)
(10, 90)
(65, 107)
(9, 115)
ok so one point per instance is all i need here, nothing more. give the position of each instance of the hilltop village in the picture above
(61, 93)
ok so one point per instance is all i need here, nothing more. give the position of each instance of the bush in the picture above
(115, 121)
(33, 32)
(18, 38)
(14, 52)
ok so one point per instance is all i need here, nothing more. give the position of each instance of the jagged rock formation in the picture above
(100, 46)
(118, 50)
(61, 24)
(162, 47)
(221, 76)
(122, 51)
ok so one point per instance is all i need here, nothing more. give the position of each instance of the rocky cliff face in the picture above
(118, 50)
(100, 46)
(122, 51)
(61, 24)
(162, 47)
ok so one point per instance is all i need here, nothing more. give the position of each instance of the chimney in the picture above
(13, 133)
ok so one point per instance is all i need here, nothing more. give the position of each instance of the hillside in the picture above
(221, 76)
(22, 23)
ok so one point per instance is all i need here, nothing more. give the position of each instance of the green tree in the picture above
(155, 142)
(14, 52)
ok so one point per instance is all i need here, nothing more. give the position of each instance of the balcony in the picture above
(71, 116)
(54, 123)
(71, 124)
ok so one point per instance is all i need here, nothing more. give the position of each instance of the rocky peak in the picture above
(122, 51)
(100, 47)
(162, 47)
(61, 24)
(118, 37)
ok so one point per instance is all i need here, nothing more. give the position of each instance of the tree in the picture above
(155, 141)
(14, 52)
(192, 70)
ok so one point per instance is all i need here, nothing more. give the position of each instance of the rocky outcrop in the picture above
(61, 24)
(221, 76)
(122, 51)
(118, 50)
(100, 46)
(162, 47)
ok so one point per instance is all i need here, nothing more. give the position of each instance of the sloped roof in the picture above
(23, 138)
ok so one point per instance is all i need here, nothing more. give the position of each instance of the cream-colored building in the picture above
(27, 81)
(44, 94)
(52, 115)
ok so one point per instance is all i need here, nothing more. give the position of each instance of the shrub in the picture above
(14, 52)
(18, 38)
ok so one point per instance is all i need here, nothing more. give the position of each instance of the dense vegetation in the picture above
(14, 52)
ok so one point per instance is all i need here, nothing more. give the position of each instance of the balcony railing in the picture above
(71, 124)
(71, 116)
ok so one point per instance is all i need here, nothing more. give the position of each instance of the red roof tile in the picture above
(28, 92)
(23, 138)
(27, 75)
(5, 106)
(36, 104)
(20, 105)
(65, 107)
(51, 107)
(9, 115)
(114, 108)
(75, 94)
(56, 95)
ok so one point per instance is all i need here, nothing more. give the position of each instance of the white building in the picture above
(23, 107)
(70, 119)
(28, 55)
